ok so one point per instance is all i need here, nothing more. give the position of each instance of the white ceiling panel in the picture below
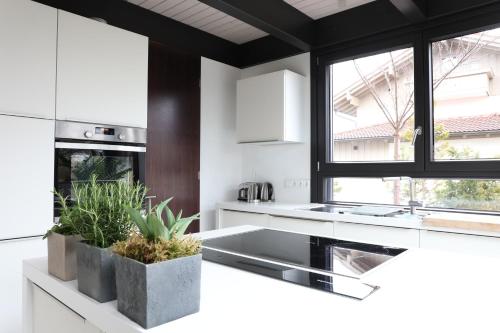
(203, 17)
(317, 9)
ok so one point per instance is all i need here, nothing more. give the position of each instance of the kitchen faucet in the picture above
(413, 203)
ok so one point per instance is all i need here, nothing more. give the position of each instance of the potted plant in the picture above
(158, 270)
(100, 215)
(61, 240)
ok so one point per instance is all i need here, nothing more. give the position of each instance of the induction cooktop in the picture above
(331, 265)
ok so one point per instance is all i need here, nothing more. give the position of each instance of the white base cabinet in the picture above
(310, 227)
(102, 73)
(380, 235)
(467, 244)
(28, 34)
(231, 218)
(52, 316)
(12, 254)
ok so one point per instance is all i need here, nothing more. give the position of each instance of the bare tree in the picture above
(396, 101)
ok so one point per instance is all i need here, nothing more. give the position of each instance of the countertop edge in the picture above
(300, 211)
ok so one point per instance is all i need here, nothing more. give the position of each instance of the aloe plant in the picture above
(152, 226)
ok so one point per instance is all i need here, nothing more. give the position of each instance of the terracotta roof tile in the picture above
(483, 123)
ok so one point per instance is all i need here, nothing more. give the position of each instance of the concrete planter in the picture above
(62, 255)
(95, 272)
(155, 294)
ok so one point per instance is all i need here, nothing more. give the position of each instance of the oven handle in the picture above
(99, 146)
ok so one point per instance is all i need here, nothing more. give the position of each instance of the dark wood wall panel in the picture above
(173, 150)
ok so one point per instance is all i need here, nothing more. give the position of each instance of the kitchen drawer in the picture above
(468, 244)
(231, 218)
(52, 316)
(310, 227)
(389, 236)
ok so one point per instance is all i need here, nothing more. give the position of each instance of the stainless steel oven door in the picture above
(76, 162)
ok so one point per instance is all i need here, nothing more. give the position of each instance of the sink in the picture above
(329, 209)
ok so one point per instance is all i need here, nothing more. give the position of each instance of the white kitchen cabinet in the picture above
(52, 316)
(467, 244)
(270, 108)
(27, 169)
(12, 254)
(28, 34)
(310, 227)
(231, 218)
(102, 73)
(380, 235)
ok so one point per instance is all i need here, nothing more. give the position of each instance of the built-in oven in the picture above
(111, 153)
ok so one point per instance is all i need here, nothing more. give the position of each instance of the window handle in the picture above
(416, 132)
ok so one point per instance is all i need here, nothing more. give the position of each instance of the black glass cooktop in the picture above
(327, 264)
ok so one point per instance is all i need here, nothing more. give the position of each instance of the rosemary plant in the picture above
(99, 211)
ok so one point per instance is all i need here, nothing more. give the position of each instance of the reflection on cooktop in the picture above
(323, 263)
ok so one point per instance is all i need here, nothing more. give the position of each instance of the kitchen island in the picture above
(420, 291)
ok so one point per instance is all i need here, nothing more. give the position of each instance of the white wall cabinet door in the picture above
(310, 227)
(231, 218)
(28, 33)
(380, 235)
(27, 170)
(12, 254)
(467, 244)
(52, 316)
(102, 73)
(270, 108)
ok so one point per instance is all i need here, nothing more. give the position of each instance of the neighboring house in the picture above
(466, 104)
(479, 133)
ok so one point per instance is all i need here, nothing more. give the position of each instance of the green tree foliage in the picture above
(455, 193)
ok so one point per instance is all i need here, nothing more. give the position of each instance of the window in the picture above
(372, 108)
(466, 95)
(463, 194)
(422, 105)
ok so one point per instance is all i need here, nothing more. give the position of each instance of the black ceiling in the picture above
(290, 31)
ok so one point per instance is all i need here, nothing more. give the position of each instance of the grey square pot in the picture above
(62, 255)
(155, 294)
(95, 272)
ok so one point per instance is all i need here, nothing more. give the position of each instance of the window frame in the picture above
(420, 38)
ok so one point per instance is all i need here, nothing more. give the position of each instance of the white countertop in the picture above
(301, 211)
(421, 291)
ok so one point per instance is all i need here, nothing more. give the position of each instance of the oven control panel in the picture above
(96, 132)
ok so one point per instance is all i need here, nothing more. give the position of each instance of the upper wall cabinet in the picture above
(270, 108)
(102, 73)
(28, 33)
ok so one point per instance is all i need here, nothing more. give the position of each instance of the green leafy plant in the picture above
(65, 224)
(158, 240)
(99, 211)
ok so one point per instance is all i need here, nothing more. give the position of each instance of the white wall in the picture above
(279, 163)
(225, 164)
(220, 160)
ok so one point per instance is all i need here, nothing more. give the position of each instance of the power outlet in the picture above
(297, 183)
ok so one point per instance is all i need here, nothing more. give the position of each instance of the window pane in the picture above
(467, 194)
(371, 108)
(466, 96)
(367, 190)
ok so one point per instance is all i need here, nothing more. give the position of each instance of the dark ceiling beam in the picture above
(376, 17)
(413, 10)
(175, 35)
(275, 17)
(438, 8)
(265, 49)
